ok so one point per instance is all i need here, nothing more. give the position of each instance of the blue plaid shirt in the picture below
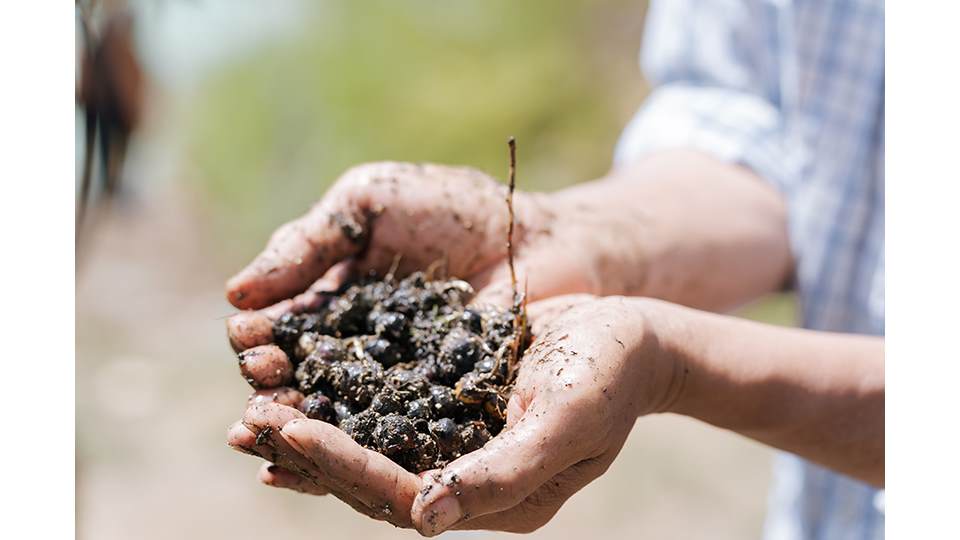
(793, 89)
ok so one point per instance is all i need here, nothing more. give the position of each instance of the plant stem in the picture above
(519, 300)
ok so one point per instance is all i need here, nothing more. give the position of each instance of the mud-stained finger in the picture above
(540, 506)
(543, 273)
(249, 329)
(268, 419)
(301, 251)
(274, 475)
(243, 439)
(316, 296)
(371, 477)
(283, 395)
(265, 420)
(256, 441)
(544, 312)
(491, 293)
(507, 470)
(265, 366)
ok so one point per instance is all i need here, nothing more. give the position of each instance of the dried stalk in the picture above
(519, 307)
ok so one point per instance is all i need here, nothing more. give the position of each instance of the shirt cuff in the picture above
(731, 125)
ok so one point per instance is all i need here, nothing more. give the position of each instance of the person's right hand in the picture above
(419, 215)
(593, 367)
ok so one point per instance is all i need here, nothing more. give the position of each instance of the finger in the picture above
(259, 431)
(317, 295)
(515, 408)
(241, 439)
(249, 329)
(537, 509)
(544, 312)
(247, 440)
(301, 251)
(371, 477)
(265, 366)
(500, 475)
(542, 275)
(491, 293)
(274, 475)
(284, 395)
(265, 420)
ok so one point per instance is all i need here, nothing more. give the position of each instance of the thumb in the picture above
(301, 251)
(544, 272)
(498, 476)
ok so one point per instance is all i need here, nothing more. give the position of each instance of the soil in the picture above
(405, 367)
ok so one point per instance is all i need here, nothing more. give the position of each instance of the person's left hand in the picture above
(595, 366)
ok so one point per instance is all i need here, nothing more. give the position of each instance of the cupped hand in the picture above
(413, 216)
(595, 366)
(417, 215)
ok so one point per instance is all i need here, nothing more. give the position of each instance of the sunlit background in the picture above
(251, 110)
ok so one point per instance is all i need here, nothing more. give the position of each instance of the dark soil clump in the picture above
(405, 367)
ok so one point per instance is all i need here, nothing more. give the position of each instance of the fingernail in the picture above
(441, 515)
(290, 432)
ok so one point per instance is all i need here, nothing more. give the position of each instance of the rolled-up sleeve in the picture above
(716, 80)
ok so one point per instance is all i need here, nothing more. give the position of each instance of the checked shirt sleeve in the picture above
(716, 75)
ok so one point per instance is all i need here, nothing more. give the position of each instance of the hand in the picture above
(423, 214)
(594, 366)
(380, 214)
(454, 217)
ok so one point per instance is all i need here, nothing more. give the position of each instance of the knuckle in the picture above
(507, 490)
(365, 173)
(361, 171)
(283, 232)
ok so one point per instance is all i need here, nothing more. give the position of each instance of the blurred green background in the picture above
(254, 109)
(415, 81)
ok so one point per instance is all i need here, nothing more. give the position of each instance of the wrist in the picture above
(697, 381)
(610, 235)
(667, 369)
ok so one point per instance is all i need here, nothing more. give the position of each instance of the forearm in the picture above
(819, 395)
(683, 227)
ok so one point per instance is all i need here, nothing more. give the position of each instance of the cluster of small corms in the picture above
(404, 367)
